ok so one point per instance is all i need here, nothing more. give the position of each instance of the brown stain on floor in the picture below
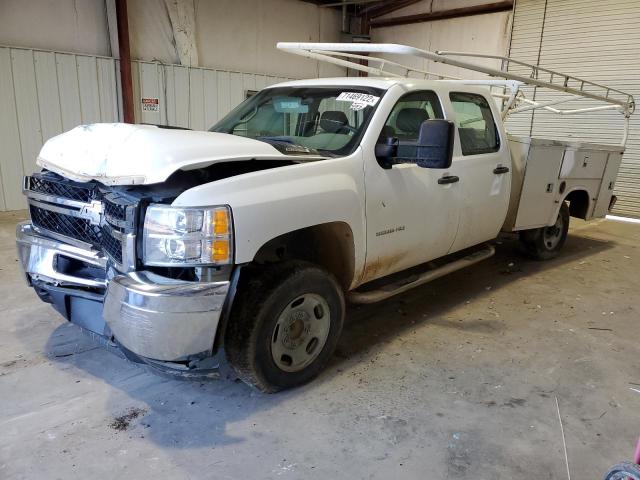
(122, 422)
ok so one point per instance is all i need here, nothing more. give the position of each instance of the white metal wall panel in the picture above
(69, 91)
(47, 85)
(191, 97)
(108, 99)
(88, 83)
(196, 99)
(41, 95)
(26, 98)
(10, 155)
(210, 87)
(224, 93)
(597, 40)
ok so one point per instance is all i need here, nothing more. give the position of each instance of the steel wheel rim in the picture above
(622, 475)
(300, 332)
(551, 235)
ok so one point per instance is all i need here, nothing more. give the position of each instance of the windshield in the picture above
(302, 120)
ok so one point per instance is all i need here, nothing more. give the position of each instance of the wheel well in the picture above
(329, 245)
(578, 203)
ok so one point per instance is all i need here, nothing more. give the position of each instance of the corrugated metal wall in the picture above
(41, 95)
(45, 93)
(192, 97)
(594, 39)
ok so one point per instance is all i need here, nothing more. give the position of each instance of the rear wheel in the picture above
(546, 242)
(284, 326)
(624, 471)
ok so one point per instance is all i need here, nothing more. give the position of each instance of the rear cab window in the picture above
(476, 126)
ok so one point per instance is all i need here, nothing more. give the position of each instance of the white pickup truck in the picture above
(247, 239)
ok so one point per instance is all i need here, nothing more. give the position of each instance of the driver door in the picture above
(412, 214)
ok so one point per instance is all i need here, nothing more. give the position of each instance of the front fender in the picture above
(270, 203)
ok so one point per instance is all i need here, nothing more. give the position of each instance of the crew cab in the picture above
(248, 239)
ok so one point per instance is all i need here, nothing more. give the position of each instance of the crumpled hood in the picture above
(124, 154)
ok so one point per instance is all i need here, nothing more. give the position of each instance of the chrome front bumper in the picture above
(162, 318)
(152, 316)
(39, 259)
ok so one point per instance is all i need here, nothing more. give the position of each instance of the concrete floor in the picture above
(457, 379)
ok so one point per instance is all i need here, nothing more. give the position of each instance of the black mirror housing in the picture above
(433, 149)
(435, 144)
(386, 152)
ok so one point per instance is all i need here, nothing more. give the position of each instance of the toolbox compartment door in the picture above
(607, 185)
(583, 164)
(539, 187)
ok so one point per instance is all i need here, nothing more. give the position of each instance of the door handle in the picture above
(448, 179)
(500, 170)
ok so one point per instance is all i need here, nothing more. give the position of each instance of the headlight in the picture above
(187, 236)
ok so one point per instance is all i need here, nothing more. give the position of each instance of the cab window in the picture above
(406, 117)
(476, 126)
(408, 114)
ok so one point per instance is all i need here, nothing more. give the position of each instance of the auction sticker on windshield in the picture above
(358, 100)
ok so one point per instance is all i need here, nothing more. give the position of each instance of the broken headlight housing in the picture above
(187, 236)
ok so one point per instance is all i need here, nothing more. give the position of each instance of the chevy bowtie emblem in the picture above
(92, 212)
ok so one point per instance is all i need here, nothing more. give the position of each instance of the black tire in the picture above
(545, 243)
(623, 471)
(262, 298)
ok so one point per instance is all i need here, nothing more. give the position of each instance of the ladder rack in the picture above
(345, 54)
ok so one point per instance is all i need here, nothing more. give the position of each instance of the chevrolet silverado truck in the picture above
(175, 245)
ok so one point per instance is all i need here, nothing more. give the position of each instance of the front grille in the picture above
(111, 245)
(105, 220)
(51, 185)
(115, 210)
(62, 224)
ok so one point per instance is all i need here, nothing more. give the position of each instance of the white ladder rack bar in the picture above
(382, 62)
(330, 57)
(535, 71)
(324, 51)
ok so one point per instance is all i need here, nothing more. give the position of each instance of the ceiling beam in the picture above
(388, 6)
(443, 14)
(345, 2)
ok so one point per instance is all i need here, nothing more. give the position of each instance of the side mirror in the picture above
(386, 152)
(435, 144)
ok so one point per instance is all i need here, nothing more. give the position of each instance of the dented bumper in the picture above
(162, 318)
(152, 316)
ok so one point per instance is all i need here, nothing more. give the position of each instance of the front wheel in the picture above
(546, 242)
(284, 326)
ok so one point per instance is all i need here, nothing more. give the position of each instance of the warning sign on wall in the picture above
(150, 104)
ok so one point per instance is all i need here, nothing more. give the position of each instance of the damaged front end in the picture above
(82, 252)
